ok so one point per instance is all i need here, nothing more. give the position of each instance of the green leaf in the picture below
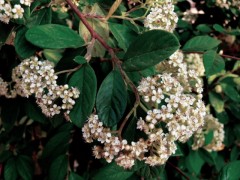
(112, 171)
(111, 99)
(57, 145)
(75, 176)
(149, 49)
(24, 167)
(129, 134)
(98, 26)
(222, 117)
(40, 17)
(54, 36)
(148, 172)
(35, 113)
(80, 60)
(10, 170)
(59, 167)
(235, 152)
(213, 63)
(230, 171)
(23, 48)
(53, 55)
(216, 101)
(236, 130)
(194, 162)
(231, 92)
(201, 43)
(208, 137)
(209, 157)
(123, 35)
(235, 109)
(179, 151)
(86, 82)
(219, 28)
(136, 76)
(204, 28)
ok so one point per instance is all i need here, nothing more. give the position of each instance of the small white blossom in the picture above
(17, 11)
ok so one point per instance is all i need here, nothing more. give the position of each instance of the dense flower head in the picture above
(37, 78)
(161, 16)
(182, 112)
(211, 125)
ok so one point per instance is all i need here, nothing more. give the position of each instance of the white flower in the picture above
(17, 11)
(26, 2)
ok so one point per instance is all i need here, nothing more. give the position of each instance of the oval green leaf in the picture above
(112, 171)
(10, 170)
(86, 82)
(201, 43)
(213, 63)
(59, 167)
(149, 49)
(54, 36)
(230, 171)
(24, 167)
(23, 48)
(111, 99)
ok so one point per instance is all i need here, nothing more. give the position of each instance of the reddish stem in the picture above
(88, 26)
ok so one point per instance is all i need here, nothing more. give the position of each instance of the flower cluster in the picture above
(8, 10)
(34, 77)
(187, 77)
(5, 90)
(159, 145)
(183, 113)
(161, 16)
(191, 15)
(228, 3)
(211, 125)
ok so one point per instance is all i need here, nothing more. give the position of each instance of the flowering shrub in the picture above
(134, 89)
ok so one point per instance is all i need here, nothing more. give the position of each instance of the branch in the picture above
(179, 170)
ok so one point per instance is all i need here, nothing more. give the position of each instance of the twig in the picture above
(179, 170)
(143, 107)
(88, 55)
(223, 55)
(68, 70)
(136, 104)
